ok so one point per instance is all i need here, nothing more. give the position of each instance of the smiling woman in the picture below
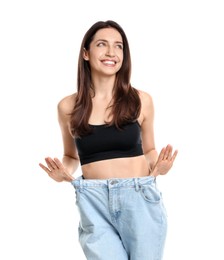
(107, 127)
(108, 51)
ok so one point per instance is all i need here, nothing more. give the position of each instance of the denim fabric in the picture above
(121, 219)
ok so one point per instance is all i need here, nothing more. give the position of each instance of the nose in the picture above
(110, 51)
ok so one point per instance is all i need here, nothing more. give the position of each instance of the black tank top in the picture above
(108, 142)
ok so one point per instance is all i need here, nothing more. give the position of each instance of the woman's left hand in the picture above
(165, 161)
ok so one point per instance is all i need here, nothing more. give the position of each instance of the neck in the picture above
(103, 86)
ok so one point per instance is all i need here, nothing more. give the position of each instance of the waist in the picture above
(113, 182)
(116, 168)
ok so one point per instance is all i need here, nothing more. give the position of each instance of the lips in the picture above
(109, 62)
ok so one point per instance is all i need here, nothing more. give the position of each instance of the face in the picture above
(105, 54)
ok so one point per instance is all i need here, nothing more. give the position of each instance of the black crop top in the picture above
(108, 142)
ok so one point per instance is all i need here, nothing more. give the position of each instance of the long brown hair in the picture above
(126, 102)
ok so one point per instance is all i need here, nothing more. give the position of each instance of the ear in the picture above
(85, 54)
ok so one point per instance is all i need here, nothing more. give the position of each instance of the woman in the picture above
(107, 127)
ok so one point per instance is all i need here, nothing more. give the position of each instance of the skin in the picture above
(105, 57)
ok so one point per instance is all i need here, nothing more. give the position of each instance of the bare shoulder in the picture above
(147, 109)
(65, 106)
(146, 98)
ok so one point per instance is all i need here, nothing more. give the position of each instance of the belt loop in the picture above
(137, 186)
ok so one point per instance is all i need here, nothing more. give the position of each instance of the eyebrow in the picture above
(103, 40)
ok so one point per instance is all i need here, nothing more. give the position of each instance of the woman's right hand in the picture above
(56, 170)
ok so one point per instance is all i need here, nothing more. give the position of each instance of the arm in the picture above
(158, 164)
(57, 170)
(147, 118)
(70, 157)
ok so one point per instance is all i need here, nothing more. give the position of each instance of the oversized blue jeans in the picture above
(121, 219)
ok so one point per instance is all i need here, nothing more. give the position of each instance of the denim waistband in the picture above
(113, 182)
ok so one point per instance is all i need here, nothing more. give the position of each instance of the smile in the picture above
(109, 62)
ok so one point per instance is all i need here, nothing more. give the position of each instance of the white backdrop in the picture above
(177, 55)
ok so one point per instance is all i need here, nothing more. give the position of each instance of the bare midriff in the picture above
(130, 167)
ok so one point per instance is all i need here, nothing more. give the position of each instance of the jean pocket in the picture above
(151, 194)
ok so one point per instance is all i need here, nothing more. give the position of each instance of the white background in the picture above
(178, 57)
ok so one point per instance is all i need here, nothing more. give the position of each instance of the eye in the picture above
(100, 44)
(119, 46)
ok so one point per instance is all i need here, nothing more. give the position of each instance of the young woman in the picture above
(107, 127)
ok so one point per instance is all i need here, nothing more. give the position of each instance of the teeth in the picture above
(109, 62)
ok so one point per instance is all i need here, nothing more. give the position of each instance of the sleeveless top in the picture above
(108, 142)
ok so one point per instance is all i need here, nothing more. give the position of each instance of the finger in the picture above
(174, 155)
(161, 154)
(67, 175)
(58, 163)
(44, 168)
(167, 152)
(51, 164)
(69, 178)
(54, 165)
